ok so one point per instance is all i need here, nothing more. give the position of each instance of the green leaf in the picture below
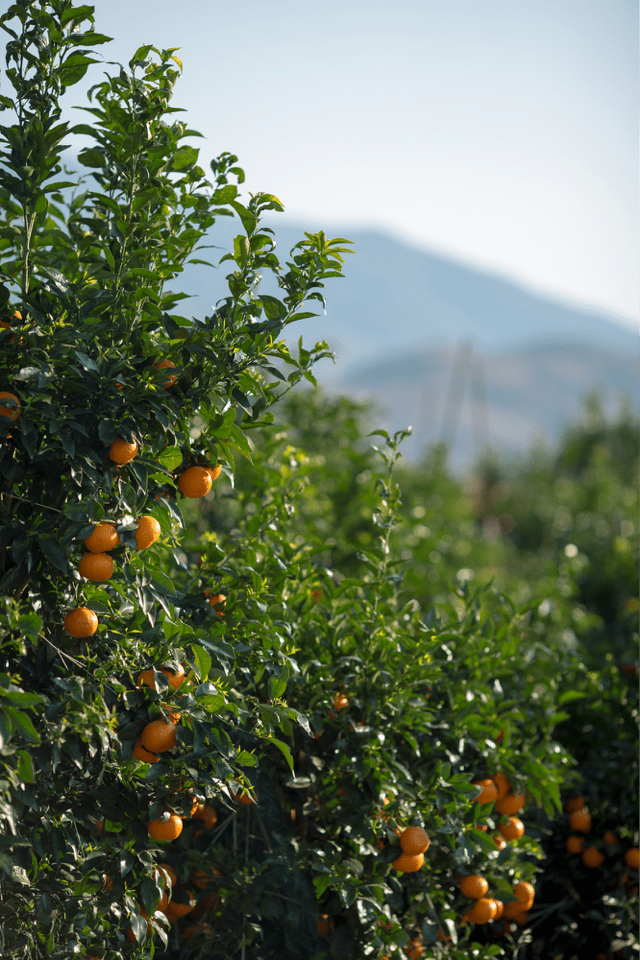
(171, 458)
(286, 753)
(54, 553)
(25, 767)
(202, 661)
(184, 157)
(24, 724)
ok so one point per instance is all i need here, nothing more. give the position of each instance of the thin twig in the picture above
(263, 831)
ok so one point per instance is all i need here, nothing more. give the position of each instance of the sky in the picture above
(500, 132)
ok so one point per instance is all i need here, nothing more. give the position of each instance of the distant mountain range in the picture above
(458, 353)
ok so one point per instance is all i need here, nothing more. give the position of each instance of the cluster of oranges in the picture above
(497, 790)
(97, 564)
(592, 856)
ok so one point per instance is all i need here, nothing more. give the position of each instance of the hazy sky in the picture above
(503, 132)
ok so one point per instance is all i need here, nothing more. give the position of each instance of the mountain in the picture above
(403, 320)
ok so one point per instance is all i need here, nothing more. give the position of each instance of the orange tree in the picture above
(114, 406)
(216, 749)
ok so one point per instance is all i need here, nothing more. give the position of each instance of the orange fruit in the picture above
(513, 909)
(96, 566)
(610, 838)
(12, 412)
(7, 324)
(489, 792)
(482, 911)
(580, 821)
(179, 908)
(175, 679)
(122, 452)
(473, 886)
(503, 785)
(214, 472)
(242, 797)
(573, 804)
(592, 857)
(632, 858)
(408, 863)
(323, 925)
(513, 829)
(187, 816)
(340, 701)
(511, 803)
(169, 830)
(499, 908)
(414, 840)
(207, 813)
(103, 538)
(148, 532)
(525, 893)
(500, 842)
(415, 949)
(81, 622)
(162, 365)
(216, 599)
(159, 736)
(194, 482)
(140, 753)
(574, 844)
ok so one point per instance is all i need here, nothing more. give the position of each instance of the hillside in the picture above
(397, 319)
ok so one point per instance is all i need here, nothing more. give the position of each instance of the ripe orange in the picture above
(103, 538)
(632, 858)
(482, 911)
(162, 365)
(499, 908)
(500, 842)
(503, 785)
(473, 886)
(169, 830)
(175, 679)
(189, 814)
(407, 863)
(489, 792)
(159, 736)
(96, 566)
(513, 909)
(414, 840)
(12, 412)
(340, 701)
(122, 452)
(180, 908)
(525, 893)
(214, 472)
(7, 324)
(81, 622)
(323, 925)
(511, 803)
(148, 532)
(580, 821)
(242, 797)
(207, 813)
(592, 857)
(195, 482)
(573, 804)
(513, 829)
(140, 753)
(574, 844)
(216, 600)
(415, 949)
(610, 838)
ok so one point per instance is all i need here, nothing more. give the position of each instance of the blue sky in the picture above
(502, 132)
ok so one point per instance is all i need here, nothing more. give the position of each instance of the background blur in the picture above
(484, 158)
